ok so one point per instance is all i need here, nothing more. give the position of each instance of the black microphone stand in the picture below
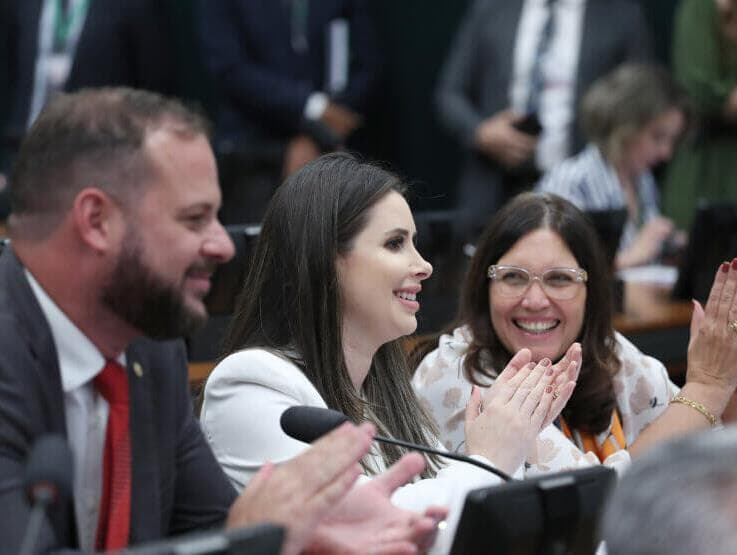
(503, 475)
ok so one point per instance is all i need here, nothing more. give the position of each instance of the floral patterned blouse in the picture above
(642, 387)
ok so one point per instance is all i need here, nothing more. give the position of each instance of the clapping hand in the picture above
(566, 374)
(313, 497)
(504, 426)
(366, 521)
(299, 493)
(712, 348)
(711, 376)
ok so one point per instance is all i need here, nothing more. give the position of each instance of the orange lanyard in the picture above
(613, 442)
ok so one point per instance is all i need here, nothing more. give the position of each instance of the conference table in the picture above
(657, 324)
(651, 319)
(649, 307)
(198, 372)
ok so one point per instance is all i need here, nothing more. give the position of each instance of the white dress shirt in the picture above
(559, 67)
(86, 412)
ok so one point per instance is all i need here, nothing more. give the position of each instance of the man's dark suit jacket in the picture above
(131, 44)
(475, 81)
(177, 484)
(263, 82)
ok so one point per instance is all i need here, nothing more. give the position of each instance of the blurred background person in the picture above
(679, 499)
(40, 39)
(295, 79)
(47, 46)
(37, 43)
(511, 85)
(632, 118)
(705, 63)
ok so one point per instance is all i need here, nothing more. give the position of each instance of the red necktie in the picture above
(115, 506)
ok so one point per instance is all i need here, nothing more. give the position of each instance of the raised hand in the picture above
(497, 138)
(711, 375)
(712, 349)
(366, 521)
(341, 119)
(504, 426)
(299, 493)
(566, 373)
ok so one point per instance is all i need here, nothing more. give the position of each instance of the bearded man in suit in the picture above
(114, 237)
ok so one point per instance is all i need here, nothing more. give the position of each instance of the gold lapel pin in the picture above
(137, 369)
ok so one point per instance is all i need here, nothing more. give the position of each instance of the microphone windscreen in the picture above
(49, 464)
(310, 423)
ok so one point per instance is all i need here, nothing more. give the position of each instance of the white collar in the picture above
(79, 360)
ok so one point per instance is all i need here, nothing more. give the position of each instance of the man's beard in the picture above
(144, 300)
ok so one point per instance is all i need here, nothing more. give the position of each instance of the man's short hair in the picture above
(93, 137)
(679, 499)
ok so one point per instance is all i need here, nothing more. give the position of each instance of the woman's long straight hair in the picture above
(290, 302)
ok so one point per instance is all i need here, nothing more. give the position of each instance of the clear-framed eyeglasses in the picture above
(558, 283)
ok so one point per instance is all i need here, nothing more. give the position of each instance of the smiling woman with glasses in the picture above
(538, 280)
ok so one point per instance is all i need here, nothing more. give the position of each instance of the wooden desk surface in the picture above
(198, 371)
(649, 308)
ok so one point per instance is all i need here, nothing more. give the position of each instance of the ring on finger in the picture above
(733, 325)
(555, 393)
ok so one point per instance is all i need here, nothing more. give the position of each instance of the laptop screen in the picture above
(548, 515)
(712, 240)
(609, 225)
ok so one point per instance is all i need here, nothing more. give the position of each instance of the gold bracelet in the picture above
(697, 406)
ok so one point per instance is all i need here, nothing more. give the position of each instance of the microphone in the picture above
(307, 424)
(48, 480)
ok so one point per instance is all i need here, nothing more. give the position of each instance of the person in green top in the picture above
(705, 63)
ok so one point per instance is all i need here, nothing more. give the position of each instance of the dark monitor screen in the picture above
(712, 240)
(227, 282)
(609, 225)
(263, 539)
(547, 515)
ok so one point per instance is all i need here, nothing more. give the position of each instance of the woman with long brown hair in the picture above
(538, 280)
